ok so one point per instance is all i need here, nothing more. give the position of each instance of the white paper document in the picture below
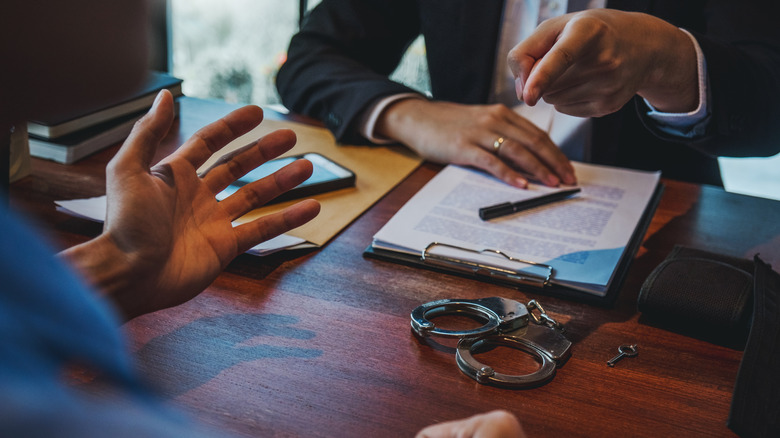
(583, 238)
(95, 209)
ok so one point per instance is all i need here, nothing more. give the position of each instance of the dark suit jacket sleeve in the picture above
(339, 63)
(741, 45)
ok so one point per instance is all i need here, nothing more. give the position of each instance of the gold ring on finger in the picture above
(497, 144)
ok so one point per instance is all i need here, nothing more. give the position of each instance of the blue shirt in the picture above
(48, 320)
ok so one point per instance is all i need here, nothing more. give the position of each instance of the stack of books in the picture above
(69, 138)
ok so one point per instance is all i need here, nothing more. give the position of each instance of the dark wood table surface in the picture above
(317, 342)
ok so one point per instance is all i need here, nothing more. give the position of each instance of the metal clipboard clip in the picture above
(487, 270)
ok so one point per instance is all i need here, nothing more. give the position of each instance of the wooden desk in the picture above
(318, 343)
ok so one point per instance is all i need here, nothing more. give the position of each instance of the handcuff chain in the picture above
(543, 318)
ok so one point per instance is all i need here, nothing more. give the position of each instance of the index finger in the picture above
(524, 56)
(553, 48)
(214, 136)
(548, 158)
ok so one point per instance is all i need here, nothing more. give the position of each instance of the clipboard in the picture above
(537, 283)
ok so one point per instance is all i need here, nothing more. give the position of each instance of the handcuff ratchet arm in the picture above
(501, 315)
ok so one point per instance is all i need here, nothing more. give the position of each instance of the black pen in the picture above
(498, 210)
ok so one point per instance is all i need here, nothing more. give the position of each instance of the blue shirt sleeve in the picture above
(48, 320)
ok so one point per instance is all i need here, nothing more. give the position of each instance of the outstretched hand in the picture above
(166, 237)
(590, 63)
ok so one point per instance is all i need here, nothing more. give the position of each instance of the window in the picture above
(752, 176)
(232, 49)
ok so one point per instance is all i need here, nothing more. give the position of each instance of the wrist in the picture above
(106, 269)
(371, 116)
(673, 84)
(396, 121)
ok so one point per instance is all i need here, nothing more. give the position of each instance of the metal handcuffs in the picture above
(506, 324)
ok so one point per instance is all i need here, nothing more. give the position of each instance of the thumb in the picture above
(148, 132)
(525, 57)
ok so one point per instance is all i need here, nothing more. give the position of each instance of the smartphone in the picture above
(327, 176)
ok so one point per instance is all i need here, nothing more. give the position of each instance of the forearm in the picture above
(334, 90)
(340, 61)
(745, 109)
(742, 50)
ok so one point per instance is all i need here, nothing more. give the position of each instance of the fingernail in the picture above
(552, 181)
(521, 183)
(519, 85)
(530, 96)
(157, 100)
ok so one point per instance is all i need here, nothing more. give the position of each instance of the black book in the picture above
(75, 146)
(140, 100)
